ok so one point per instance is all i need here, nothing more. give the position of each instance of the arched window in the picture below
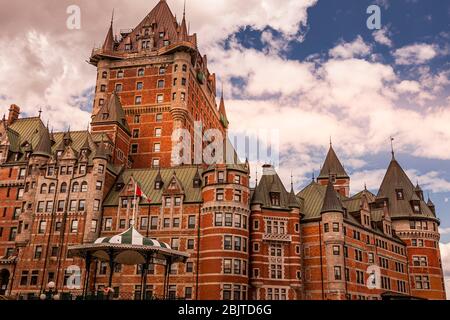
(184, 68)
(44, 188)
(120, 74)
(75, 187)
(51, 188)
(84, 186)
(104, 75)
(140, 72)
(63, 188)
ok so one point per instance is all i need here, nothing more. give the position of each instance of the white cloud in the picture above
(382, 37)
(415, 54)
(347, 50)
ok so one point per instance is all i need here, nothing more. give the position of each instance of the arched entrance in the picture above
(4, 280)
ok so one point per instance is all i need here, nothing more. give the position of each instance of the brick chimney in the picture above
(13, 115)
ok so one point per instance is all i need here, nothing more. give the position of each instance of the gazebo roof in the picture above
(129, 248)
(132, 237)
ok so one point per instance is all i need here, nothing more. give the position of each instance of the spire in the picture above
(293, 201)
(332, 165)
(67, 138)
(331, 202)
(86, 146)
(222, 111)
(52, 137)
(108, 45)
(392, 148)
(44, 147)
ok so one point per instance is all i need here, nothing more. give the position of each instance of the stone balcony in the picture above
(277, 237)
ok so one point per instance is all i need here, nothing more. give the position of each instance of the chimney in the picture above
(13, 115)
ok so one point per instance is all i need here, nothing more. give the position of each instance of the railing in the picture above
(277, 237)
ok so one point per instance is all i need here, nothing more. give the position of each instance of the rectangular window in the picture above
(219, 195)
(134, 148)
(154, 223)
(336, 250)
(166, 222)
(190, 244)
(96, 205)
(159, 98)
(82, 205)
(228, 219)
(138, 100)
(139, 86)
(227, 266)
(42, 226)
(74, 226)
(160, 84)
(94, 226)
(191, 222)
(176, 223)
(108, 224)
(335, 227)
(38, 252)
(227, 242)
(158, 132)
(218, 219)
(337, 273)
(135, 133)
(159, 117)
(98, 185)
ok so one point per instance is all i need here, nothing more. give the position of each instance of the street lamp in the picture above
(49, 293)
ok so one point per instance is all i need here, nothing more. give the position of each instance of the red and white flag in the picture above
(139, 193)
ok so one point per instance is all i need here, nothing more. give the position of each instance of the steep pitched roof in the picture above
(223, 112)
(270, 182)
(44, 146)
(162, 17)
(331, 201)
(312, 196)
(394, 180)
(108, 44)
(147, 177)
(332, 165)
(112, 112)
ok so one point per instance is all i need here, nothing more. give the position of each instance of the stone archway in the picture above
(4, 280)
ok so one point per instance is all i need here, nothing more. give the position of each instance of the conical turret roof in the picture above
(44, 146)
(332, 165)
(112, 112)
(331, 201)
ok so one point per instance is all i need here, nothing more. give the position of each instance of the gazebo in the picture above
(128, 248)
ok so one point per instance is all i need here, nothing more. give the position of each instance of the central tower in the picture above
(162, 81)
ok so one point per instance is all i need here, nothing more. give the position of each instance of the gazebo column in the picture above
(167, 277)
(88, 261)
(144, 277)
(111, 268)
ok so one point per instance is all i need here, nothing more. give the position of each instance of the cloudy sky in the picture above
(310, 69)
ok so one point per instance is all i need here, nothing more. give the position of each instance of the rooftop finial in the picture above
(40, 111)
(112, 17)
(392, 148)
(313, 176)
(331, 142)
(292, 181)
(256, 183)
(184, 9)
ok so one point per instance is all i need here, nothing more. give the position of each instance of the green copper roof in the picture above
(147, 177)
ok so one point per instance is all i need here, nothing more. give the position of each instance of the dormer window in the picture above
(197, 183)
(275, 199)
(146, 32)
(105, 116)
(158, 185)
(161, 35)
(166, 42)
(416, 207)
(333, 178)
(399, 193)
(128, 47)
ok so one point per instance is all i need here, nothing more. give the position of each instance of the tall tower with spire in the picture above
(163, 83)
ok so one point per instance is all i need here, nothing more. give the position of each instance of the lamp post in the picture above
(50, 294)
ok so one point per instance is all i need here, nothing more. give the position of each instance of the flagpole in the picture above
(134, 208)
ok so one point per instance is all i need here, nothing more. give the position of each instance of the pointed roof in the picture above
(222, 112)
(44, 147)
(108, 44)
(331, 202)
(161, 19)
(86, 145)
(293, 201)
(430, 203)
(394, 180)
(112, 112)
(270, 182)
(332, 165)
(67, 137)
